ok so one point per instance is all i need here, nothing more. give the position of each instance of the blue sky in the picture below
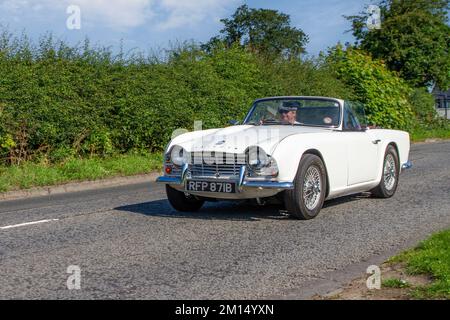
(151, 24)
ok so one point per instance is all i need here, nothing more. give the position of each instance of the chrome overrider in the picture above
(407, 165)
(242, 182)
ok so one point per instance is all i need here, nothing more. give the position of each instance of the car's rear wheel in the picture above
(389, 179)
(306, 199)
(183, 202)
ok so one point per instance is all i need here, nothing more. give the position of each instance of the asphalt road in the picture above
(130, 244)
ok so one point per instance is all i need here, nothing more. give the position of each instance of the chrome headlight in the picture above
(178, 156)
(260, 163)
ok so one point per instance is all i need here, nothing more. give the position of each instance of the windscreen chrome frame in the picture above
(246, 119)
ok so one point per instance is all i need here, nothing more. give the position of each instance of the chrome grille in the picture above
(216, 164)
(203, 170)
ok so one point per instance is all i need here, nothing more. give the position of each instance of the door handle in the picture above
(376, 141)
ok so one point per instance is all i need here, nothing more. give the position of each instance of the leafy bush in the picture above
(423, 106)
(384, 94)
(308, 78)
(59, 102)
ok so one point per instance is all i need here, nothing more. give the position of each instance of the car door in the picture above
(362, 149)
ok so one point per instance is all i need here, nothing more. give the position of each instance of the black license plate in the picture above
(209, 186)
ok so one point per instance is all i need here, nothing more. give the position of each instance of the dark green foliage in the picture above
(309, 78)
(423, 105)
(59, 102)
(413, 40)
(263, 31)
(385, 96)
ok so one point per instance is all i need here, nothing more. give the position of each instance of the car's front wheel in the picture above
(183, 202)
(306, 199)
(389, 179)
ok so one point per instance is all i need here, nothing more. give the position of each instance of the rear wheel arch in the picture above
(382, 190)
(393, 144)
(382, 152)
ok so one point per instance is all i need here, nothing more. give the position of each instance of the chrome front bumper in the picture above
(247, 184)
(242, 181)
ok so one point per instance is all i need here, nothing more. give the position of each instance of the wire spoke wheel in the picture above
(312, 187)
(389, 172)
(390, 175)
(306, 199)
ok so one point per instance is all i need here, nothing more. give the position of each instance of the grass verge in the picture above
(395, 283)
(422, 134)
(420, 273)
(31, 174)
(431, 257)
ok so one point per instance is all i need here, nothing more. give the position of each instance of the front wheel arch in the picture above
(295, 200)
(318, 154)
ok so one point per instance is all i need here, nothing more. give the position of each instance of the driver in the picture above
(288, 112)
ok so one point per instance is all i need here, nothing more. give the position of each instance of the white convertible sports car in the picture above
(301, 150)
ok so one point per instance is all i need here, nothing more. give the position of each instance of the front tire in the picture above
(389, 178)
(306, 199)
(183, 202)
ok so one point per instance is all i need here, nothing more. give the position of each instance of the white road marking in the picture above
(27, 224)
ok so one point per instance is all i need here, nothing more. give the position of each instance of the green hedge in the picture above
(387, 97)
(58, 102)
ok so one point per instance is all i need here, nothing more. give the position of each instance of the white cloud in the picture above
(12, 5)
(116, 13)
(123, 14)
(191, 12)
(113, 13)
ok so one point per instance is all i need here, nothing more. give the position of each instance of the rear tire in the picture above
(306, 199)
(183, 202)
(389, 178)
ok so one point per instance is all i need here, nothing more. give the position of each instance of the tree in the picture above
(267, 32)
(413, 39)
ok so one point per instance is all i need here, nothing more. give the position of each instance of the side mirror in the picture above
(233, 122)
